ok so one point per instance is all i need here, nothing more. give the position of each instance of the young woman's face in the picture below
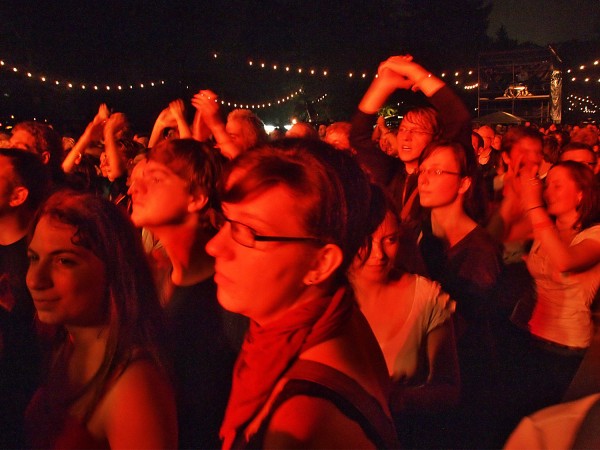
(561, 193)
(440, 181)
(67, 281)
(264, 281)
(384, 247)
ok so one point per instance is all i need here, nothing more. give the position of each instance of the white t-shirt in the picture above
(402, 341)
(562, 310)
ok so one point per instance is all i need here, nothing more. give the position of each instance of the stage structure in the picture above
(524, 82)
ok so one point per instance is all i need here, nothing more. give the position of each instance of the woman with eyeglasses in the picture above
(446, 118)
(463, 258)
(310, 373)
(411, 318)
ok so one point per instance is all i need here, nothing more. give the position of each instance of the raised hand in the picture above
(177, 109)
(206, 102)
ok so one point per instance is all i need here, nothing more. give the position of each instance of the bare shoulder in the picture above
(310, 422)
(139, 409)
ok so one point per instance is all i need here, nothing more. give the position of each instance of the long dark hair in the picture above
(134, 315)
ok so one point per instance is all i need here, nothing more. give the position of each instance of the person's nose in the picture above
(220, 245)
(38, 276)
(377, 251)
(137, 186)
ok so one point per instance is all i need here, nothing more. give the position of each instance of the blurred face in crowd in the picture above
(488, 136)
(389, 144)
(440, 182)
(104, 165)
(236, 129)
(338, 140)
(23, 140)
(561, 193)
(384, 247)
(581, 155)
(276, 270)
(67, 281)
(527, 151)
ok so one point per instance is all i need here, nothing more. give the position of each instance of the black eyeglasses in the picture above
(436, 172)
(246, 236)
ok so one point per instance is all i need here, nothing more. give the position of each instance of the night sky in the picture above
(136, 41)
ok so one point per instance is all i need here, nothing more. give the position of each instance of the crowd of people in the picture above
(349, 286)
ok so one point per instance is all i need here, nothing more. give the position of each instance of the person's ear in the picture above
(465, 184)
(327, 261)
(45, 157)
(197, 202)
(18, 196)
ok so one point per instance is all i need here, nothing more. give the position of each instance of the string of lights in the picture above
(458, 78)
(581, 104)
(581, 73)
(262, 105)
(73, 85)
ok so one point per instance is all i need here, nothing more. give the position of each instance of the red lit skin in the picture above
(66, 281)
(411, 145)
(581, 155)
(444, 195)
(383, 251)
(372, 285)
(162, 203)
(512, 225)
(23, 140)
(159, 196)
(267, 281)
(400, 72)
(243, 272)
(205, 102)
(562, 197)
(68, 286)
(26, 141)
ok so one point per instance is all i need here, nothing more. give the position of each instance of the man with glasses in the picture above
(448, 119)
(173, 198)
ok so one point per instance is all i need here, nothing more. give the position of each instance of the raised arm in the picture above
(178, 112)
(92, 132)
(565, 257)
(205, 101)
(200, 130)
(380, 166)
(113, 125)
(164, 120)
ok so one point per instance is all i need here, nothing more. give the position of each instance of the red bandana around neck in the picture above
(269, 351)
